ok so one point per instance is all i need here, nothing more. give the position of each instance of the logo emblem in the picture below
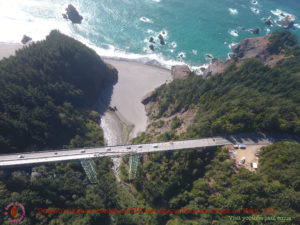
(15, 211)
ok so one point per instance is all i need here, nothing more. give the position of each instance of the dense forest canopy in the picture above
(205, 179)
(46, 93)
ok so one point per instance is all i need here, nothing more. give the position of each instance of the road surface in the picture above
(29, 158)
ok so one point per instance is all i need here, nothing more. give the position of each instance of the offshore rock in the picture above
(26, 39)
(268, 21)
(72, 14)
(161, 39)
(255, 31)
(151, 40)
(151, 46)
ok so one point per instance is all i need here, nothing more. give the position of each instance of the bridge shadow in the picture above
(260, 137)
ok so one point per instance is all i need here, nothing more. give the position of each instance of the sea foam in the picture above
(233, 11)
(145, 19)
(233, 33)
(255, 10)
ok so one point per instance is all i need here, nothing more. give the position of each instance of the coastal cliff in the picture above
(227, 103)
(258, 48)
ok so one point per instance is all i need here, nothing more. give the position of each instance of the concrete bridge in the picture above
(30, 158)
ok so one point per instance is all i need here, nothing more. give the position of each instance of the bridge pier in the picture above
(134, 160)
(89, 168)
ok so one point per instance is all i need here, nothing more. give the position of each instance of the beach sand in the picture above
(7, 50)
(135, 80)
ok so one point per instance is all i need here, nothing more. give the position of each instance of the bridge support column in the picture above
(133, 165)
(89, 168)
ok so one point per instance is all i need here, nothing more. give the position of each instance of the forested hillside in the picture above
(247, 98)
(251, 97)
(205, 179)
(46, 94)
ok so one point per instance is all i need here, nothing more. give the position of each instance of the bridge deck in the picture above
(75, 154)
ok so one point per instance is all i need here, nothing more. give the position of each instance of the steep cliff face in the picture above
(248, 48)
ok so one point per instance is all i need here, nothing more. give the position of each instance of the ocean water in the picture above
(122, 28)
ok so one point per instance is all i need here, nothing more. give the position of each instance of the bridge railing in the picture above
(241, 136)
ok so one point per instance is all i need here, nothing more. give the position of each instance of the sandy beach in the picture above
(7, 50)
(135, 81)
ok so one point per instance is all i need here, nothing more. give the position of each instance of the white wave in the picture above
(267, 30)
(113, 53)
(280, 14)
(233, 33)
(297, 25)
(195, 52)
(255, 10)
(19, 17)
(232, 44)
(174, 44)
(233, 11)
(149, 31)
(197, 69)
(145, 19)
(156, 0)
(164, 33)
(37, 18)
(181, 55)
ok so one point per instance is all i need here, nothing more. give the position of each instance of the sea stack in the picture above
(72, 14)
(151, 46)
(161, 39)
(26, 39)
(151, 40)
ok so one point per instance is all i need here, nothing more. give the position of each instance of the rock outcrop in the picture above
(268, 21)
(252, 48)
(151, 46)
(72, 14)
(161, 39)
(26, 39)
(255, 31)
(151, 40)
(180, 71)
(287, 22)
(248, 48)
(209, 56)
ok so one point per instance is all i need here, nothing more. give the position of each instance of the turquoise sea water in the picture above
(122, 28)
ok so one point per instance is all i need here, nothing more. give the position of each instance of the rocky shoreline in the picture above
(248, 48)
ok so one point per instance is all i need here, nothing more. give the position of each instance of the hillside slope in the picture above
(248, 98)
(46, 93)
